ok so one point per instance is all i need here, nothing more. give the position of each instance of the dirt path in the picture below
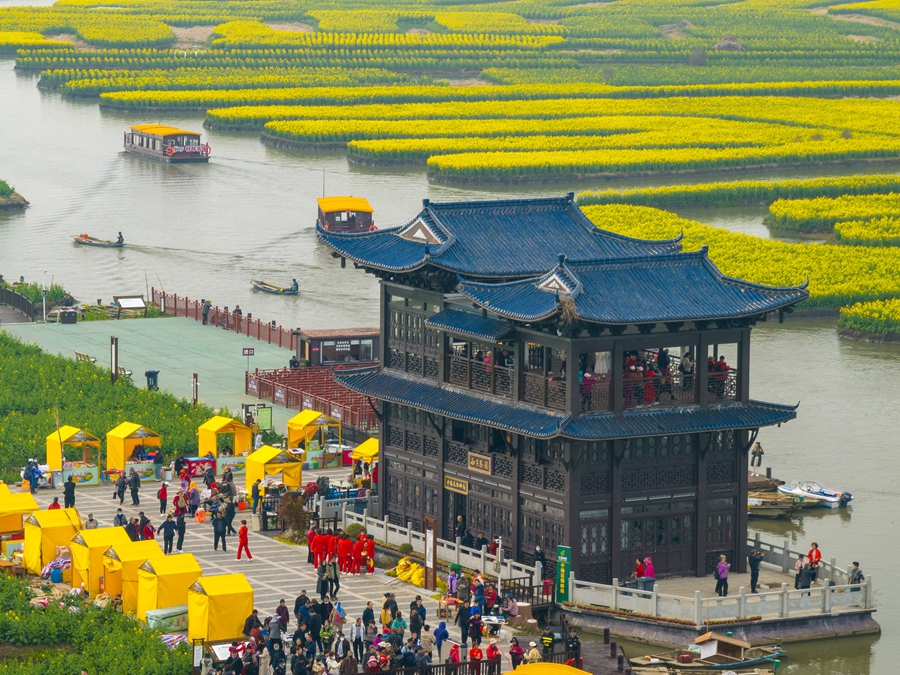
(858, 18)
(296, 27)
(195, 36)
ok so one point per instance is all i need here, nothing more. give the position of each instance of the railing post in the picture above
(484, 554)
(742, 603)
(615, 594)
(826, 599)
(833, 572)
(654, 601)
(870, 594)
(409, 532)
(785, 558)
(697, 602)
(784, 600)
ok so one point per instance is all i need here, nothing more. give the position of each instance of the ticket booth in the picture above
(62, 458)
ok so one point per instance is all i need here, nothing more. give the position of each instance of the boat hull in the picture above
(178, 158)
(268, 288)
(100, 244)
(718, 667)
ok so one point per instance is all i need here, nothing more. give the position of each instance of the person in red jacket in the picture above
(493, 651)
(310, 538)
(325, 550)
(815, 556)
(318, 549)
(475, 656)
(370, 554)
(149, 531)
(335, 546)
(163, 496)
(358, 548)
(345, 551)
(244, 540)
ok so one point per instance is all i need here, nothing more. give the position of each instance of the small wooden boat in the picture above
(758, 508)
(666, 670)
(85, 240)
(713, 651)
(278, 290)
(808, 489)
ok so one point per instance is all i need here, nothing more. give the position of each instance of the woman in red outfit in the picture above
(815, 555)
(243, 540)
(358, 547)
(370, 554)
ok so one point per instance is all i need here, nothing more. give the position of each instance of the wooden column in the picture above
(700, 445)
(615, 506)
(702, 373)
(740, 532)
(743, 366)
(616, 373)
(518, 373)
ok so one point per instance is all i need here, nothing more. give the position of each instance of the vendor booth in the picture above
(88, 547)
(85, 471)
(218, 606)
(366, 451)
(209, 432)
(309, 430)
(126, 449)
(121, 563)
(44, 531)
(276, 462)
(164, 582)
(14, 509)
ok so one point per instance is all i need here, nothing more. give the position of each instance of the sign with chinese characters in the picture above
(249, 351)
(456, 485)
(480, 463)
(563, 567)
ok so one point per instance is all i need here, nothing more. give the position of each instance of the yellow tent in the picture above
(269, 461)
(121, 442)
(73, 437)
(209, 431)
(366, 451)
(164, 582)
(14, 508)
(88, 547)
(44, 531)
(218, 606)
(306, 424)
(4, 490)
(121, 573)
(548, 669)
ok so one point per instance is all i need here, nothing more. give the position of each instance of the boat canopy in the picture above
(334, 204)
(163, 130)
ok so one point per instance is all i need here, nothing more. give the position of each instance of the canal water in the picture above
(206, 231)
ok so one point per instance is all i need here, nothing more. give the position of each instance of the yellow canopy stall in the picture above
(210, 430)
(366, 451)
(164, 582)
(304, 426)
(121, 442)
(217, 607)
(14, 508)
(269, 461)
(73, 437)
(44, 531)
(121, 574)
(548, 669)
(88, 547)
(4, 490)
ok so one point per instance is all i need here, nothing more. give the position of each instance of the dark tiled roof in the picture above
(671, 287)
(470, 324)
(394, 387)
(491, 238)
(664, 421)
(339, 333)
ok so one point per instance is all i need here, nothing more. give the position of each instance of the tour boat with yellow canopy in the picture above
(345, 214)
(166, 144)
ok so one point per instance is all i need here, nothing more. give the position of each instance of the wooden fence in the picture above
(17, 301)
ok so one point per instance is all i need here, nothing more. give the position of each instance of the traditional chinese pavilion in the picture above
(512, 394)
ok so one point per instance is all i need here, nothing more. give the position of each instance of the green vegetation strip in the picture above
(881, 317)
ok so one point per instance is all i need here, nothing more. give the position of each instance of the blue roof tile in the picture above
(470, 324)
(669, 287)
(395, 387)
(491, 238)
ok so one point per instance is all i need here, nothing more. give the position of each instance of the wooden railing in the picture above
(524, 590)
(544, 391)
(464, 668)
(17, 301)
(479, 376)
(267, 331)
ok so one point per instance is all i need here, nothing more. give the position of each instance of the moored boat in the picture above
(811, 490)
(713, 651)
(293, 289)
(85, 240)
(166, 144)
(760, 508)
(345, 214)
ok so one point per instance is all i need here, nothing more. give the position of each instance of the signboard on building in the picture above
(480, 463)
(563, 567)
(456, 485)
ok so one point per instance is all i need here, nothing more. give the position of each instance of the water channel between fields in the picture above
(249, 214)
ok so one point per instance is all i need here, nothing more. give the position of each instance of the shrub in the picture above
(6, 189)
(405, 549)
(353, 529)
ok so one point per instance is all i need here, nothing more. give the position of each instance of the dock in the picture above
(763, 483)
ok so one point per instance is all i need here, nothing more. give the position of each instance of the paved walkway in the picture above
(769, 580)
(9, 315)
(175, 346)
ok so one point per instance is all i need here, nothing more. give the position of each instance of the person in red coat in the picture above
(345, 551)
(318, 548)
(310, 538)
(370, 554)
(163, 496)
(149, 531)
(335, 546)
(358, 547)
(815, 557)
(493, 651)
(327, 541)
(244, 540)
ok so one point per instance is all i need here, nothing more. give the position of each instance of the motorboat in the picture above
(808, 489)
(85, 240)
(713, 652)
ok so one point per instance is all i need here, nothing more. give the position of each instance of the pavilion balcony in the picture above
(487, 378)
(545, 391)
(677, 390)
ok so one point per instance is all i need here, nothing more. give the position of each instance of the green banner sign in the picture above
(264, 418)
(563, 567)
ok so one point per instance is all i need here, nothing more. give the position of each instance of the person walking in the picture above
(219, 530)
(440, 636)
(121, 484)
(148, 532)
(180, 527)
(134, 484)
(120, 519)
(462, 620)
(753, 561)
(756, 456)
(358, 639)
(229, 517)
(243, 540)
(539, 557)
(722, 576)
(168, 528)
(205, 306)
(69, 493)
(163, 496)
(254, 495)
(516, 653)
(798, 567)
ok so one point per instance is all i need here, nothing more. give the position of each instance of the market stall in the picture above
(367, 452)
(126, 449)
(44, 531)
(217, 607)
(309, 430)
(121, 563)
(209, 432)
(276, 462)
(14, 508)
(164, 582)
(88, 547)
(85, 471)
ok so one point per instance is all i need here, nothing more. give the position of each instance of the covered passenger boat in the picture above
(166, 144)
(345, 214)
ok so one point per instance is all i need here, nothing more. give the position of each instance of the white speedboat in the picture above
(810, 490)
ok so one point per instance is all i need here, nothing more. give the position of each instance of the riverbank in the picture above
(13, 202)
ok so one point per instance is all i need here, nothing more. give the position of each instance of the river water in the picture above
(206, 231)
